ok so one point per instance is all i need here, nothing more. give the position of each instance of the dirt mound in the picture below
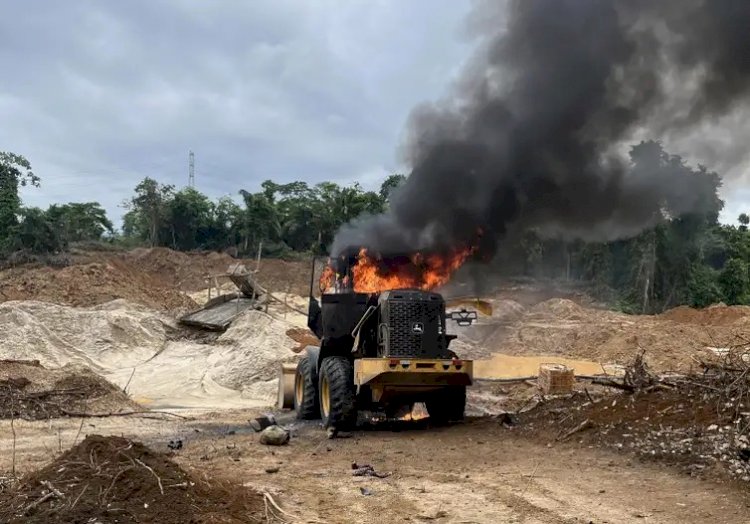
(715, 315)
(565, 328)
(157, 277)
(90, 284)
(188, 271)
(112, 479)
(176, 269)
(285, 276)
(689, 426)
(506, 309)
(32, 392)
(560, 308)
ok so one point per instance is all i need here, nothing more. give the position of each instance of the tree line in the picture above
(690, 259)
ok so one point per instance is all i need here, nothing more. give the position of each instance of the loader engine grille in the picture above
(412, 323)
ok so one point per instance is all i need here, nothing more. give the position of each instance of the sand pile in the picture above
(90, 284)
(103, 337)
(32, 392)
(112, 479)
(130, 344)
(562, 327)
(238, 369)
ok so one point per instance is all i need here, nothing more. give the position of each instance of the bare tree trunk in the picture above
(650, 265)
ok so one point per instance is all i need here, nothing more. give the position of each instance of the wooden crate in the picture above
(556, 379)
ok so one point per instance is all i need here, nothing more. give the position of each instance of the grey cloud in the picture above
(104, 93)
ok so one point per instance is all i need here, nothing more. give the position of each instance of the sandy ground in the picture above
(474, 472)
(477, 471)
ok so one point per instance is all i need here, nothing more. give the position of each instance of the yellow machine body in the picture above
(389, 378)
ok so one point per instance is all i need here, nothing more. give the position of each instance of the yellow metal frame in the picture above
(412, 371)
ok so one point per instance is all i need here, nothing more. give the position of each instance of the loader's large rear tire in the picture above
(306, 391)
(337, 394)
(447, 405)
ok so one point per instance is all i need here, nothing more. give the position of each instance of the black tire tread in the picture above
(340, 375)
(309, 409)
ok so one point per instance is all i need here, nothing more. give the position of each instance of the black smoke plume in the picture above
(533, 132)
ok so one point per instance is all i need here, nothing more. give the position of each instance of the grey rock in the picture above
(274, 436)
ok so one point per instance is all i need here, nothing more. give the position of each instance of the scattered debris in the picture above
(175, 444)
(699, 422)
(32, 392)
(274, 436)
(366, 470)
(580, 427)
(365, 491)
(439, 514)
(507, 419)
(113, 479)
(260, 423)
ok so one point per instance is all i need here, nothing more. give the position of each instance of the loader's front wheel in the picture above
(305, 391)
(337, 406)
(447, 405)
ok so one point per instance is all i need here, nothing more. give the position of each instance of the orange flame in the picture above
(372, 274)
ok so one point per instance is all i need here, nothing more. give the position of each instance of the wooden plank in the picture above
(245, 281)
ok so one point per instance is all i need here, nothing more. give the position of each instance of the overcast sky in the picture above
(99, 94)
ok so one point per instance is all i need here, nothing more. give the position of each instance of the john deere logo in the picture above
(417, 328)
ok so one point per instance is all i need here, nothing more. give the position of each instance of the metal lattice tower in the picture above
(191, 175)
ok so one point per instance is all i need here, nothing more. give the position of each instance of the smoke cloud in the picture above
(532, 134)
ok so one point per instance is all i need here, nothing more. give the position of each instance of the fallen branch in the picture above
(158, 479)
(608, 382)
(38, 501)
(47, 484)
(509, 380)
(580, 427)
(267, 496)
(79, 496)
(53, 492)
(125, 389)
(588, 395)
(13, 430)
(698, 384)
(119, 414)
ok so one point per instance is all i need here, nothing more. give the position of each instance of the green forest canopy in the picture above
(690, 259)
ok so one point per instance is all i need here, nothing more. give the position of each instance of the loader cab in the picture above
(335, 309)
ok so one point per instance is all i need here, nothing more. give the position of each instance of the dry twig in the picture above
(580, 427)
(158, 479)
